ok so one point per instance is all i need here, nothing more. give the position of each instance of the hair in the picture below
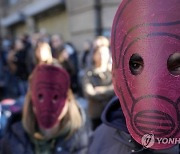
(101, 41)
(105, 54)
(72, 117)
(37, 54)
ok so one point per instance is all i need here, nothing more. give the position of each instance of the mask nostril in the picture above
(173, 64)
(55, 98)
(40, 97)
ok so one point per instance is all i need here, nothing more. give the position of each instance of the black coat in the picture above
(16, 141)
(112, 137)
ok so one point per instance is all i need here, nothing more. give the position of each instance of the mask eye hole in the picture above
(173, 64)
(136, 64)
(55, 98)
(40, 97)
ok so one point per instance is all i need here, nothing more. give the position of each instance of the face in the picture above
(49, 93)
(34, 39)
(56, 41)
(97, 58)
(146, 64)
(43, 53)
(105, 55)
(18, 45)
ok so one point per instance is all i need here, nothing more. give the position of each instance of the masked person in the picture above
(145, 118)
(52, 122)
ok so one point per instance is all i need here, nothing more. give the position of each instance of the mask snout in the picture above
(153, 115)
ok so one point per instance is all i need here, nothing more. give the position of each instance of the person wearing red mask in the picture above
(52, 122)
(145, 116)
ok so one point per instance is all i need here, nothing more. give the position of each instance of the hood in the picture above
(113, 115)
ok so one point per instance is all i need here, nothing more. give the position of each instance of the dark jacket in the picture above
(112, 136)
(20, 62)
(16, 140)
(97, 100)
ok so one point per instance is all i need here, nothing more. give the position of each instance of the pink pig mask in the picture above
(145, 37)
(49, 87)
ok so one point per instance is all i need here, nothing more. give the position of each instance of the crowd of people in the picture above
(89, 71)
(42, 77)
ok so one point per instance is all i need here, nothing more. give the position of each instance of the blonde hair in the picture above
(101, 41)
(73, 116)
(43, 53)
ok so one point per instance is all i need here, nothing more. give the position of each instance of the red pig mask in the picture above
(146, 64)
(49, 87)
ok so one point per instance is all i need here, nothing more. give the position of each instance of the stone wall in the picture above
(83, 18)
(79, 20)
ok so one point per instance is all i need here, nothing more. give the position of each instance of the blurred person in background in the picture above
(35, 37)
(64, 60)
(29, 48)
(3, 71)
(97, 84)
(44, 36)
(84, 62)
(6, 45)
(17, 64)
(35, 40)
(73, 58)
(43, 53)
(87, 48)
(52, 122)
(57, 45)
(67, 56)
(101, 41)
(3, 77)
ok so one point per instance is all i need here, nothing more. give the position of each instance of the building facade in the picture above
(76, 20)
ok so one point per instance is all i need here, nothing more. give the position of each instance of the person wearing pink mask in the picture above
(52, 122)
(144, 118)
